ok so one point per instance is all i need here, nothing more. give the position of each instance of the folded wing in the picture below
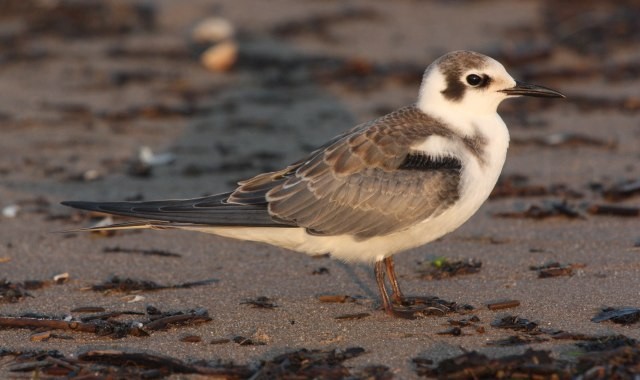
(366, 182)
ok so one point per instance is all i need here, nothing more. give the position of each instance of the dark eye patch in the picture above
(457, 84)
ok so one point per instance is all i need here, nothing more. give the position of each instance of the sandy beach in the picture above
(85, 88)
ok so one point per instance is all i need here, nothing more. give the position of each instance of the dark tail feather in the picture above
(207, 211)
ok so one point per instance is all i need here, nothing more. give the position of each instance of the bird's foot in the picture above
(415, 307)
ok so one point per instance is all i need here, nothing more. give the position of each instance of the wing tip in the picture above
(82, 205)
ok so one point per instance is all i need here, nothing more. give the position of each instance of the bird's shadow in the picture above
(350, 270)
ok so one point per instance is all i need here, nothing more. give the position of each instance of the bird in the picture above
(382, 187)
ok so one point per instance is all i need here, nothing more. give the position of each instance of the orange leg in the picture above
(379, 271)
(397, 296)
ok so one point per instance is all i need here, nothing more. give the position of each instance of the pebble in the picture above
(220, 57)
(10, 211)
(213, 30)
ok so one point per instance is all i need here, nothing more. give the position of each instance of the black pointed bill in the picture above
(526, 89)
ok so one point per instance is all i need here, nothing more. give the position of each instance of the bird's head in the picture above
(471, 83)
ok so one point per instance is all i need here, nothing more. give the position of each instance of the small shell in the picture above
(10, 211)
(220, 57)
(133, 298)
(212, 30)
(61, 278)
(146, 156)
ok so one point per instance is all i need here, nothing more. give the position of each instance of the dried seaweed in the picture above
(517, 340)
(88, 309)
(375, 372)
(308, 364)
(441, 268)
(116, 284)
(547, 209)
(453, 331)
(99, 327)
(347, 317)
(146, 252)
(622, 190)
(177, 318)
(473, 365)
(11, 292)
(621, 211)
(261, 302)
(105, 324)
(555, 269)
(140, 362)
(413, 307)
(109, 315)
(321, 270)
(607, 343)
(220, 341)
(336, 298)
(116, 364)
(513, 322)
(622, 315)
(518, 186)
(503, 304)
(191, 338)
(244, 341)
(464, 322)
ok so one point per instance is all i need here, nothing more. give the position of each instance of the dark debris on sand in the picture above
(416, 307)
(261, 302)
(12, 292)
(615, 357)
(547, 209)
(517, 340)
(555, 269)
(244, 341)
(621, 191)
(146, 252)
(114, 363)
(116, 284)
(600, 357)
(614, 210)
(502, 304)
(518, 185)
(441, 268)
(622, 315)
(350, 317)
(106, 324)
(529, 331)
(605, 343)
(513, 322)
(309, 364)
(460, 325)
(474, 365)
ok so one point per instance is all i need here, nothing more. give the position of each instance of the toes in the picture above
(415, 307)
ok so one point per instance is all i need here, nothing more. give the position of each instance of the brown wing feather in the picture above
(352, 185)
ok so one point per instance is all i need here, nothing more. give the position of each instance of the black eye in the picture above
(474, 79)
